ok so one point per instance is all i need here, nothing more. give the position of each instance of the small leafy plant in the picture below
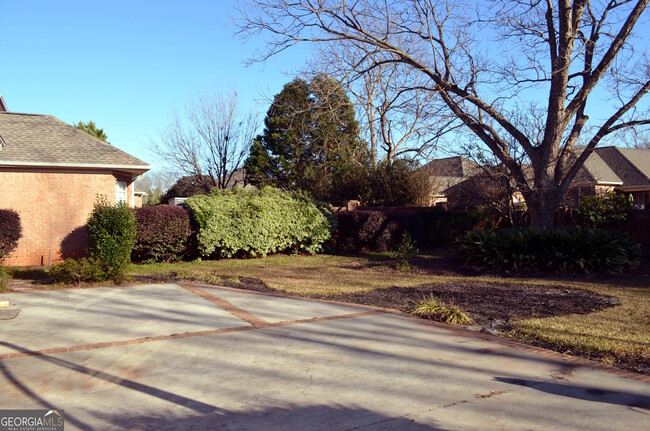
(405, 251)
(75, 271)
(431, 308)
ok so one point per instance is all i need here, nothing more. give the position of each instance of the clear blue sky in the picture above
(127, 64)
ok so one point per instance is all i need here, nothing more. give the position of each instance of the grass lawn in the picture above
(617, 335)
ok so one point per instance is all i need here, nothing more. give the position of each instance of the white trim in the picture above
(73, 165)
(600, 183)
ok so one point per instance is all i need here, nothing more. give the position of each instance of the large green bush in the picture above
(252, 223)
(111, 230)
(575, 249)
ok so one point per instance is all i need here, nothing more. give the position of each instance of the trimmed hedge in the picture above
(575, 249)
(259, 222)
(10, 231)
(111, 230)
(374, 230)
(162, 234)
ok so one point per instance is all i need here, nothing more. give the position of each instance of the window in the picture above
(640, 200)
(120, 192)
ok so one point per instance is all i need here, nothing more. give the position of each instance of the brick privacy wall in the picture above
(53, 208)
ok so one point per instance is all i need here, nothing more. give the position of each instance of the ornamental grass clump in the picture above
(431, 308)
(249, 223)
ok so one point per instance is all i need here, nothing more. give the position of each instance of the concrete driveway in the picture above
(194, 357)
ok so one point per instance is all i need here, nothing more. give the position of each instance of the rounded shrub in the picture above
(258, 222)
(162, 233)
(111, 230)
(10, 231)
(573, 249)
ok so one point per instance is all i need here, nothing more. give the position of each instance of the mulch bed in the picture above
(488, 301)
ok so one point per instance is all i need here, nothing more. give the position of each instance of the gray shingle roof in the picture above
(42, 140)
(599, 171)
(457, 166)
(628, 164)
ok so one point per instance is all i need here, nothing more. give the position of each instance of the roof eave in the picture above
(134, 170)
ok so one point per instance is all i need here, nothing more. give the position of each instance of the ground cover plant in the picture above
(570, 249)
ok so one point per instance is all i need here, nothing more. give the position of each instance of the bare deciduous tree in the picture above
(155, 184)
(209, 140)
(398, 116)
(558, 57)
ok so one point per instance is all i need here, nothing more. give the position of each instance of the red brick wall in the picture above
(54, 207)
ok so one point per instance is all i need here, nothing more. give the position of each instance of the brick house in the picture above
(626, 170)
(446, 173)
(51, 173)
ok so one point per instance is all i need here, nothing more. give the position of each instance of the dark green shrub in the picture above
(258, 222)
(375, 230)
(162, 233)
(575, 249)
(111, 230)
(74, 271)
(443, 227)
(398, 184)
(10, 231)
(602, 210)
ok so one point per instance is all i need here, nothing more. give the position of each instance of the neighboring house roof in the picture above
(458, 167)
(625, 167)
(449, 171)
(597, 170)
(45, 141)
(630, 164)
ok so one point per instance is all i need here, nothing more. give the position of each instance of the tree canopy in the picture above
(538, 85)
(91, 128)
(310, 142)
(209, 140)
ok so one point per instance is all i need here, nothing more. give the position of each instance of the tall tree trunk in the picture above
(542, 204)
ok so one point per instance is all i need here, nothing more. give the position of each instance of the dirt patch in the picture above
(489, 301)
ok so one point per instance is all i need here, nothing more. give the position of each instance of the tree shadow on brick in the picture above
(75, 244)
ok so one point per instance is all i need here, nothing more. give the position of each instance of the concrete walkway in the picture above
(194, 357)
